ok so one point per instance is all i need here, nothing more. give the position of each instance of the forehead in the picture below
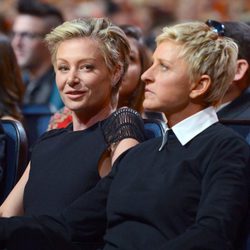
(29, 23)
(133, 45)
(79, 48)
(168, 50)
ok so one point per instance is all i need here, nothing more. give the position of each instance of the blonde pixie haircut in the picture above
(113, 43)
(206, 53)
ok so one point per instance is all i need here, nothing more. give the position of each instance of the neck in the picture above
(173, 119)
(231, 95)
(235, 90)
(123, 101)
(85, 119)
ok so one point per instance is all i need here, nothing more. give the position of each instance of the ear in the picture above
(200, 86)
(116, 76)
(242, 67)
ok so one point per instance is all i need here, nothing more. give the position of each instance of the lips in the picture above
(19, 54)
(148, 92)
(75, 94)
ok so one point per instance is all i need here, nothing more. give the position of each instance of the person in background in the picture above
(131, 92)
(11, 85)
(61, 119)
(185, 190)
(90, 57)
(33, 21)
(235, 104)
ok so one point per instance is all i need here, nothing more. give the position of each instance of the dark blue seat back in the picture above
(154, 127)
(36, 120)
(16, 155)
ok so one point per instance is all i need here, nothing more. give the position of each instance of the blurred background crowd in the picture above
(147, 14)
(26, 22)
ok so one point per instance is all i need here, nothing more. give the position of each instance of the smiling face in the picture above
(82, 76)
(168, 85)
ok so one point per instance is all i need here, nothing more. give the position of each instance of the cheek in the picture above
(100, 87)
(131, 80)
(60, 81)
(135, 72)
(127, 87)
(36, 47)
(173, 98)
(162, 95)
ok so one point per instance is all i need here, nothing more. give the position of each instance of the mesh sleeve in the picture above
(123, 123)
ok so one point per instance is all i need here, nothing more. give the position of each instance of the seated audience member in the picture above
(11, 85)
(186, 190)
(2, 153)
(33, 21)
(236, 102)
(61, 119)
(90, 57)
(131, 92)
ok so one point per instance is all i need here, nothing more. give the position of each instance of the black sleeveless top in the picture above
(64, 163)
(2, 153)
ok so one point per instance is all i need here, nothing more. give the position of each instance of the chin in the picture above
(147, 105)
(73, 107)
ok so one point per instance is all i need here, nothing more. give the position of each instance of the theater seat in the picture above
(36, 120)
(154, 127)
(16, 155)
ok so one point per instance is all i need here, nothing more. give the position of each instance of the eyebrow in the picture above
(81, 60)
(163, 60)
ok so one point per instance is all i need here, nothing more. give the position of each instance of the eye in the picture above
(86, 67)
(163, 67)
(63, 68)
(132, 58)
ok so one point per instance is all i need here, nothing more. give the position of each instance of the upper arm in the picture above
(223, 203)
(224, 198)
(123, 130)
(121, 147)
(13, 204)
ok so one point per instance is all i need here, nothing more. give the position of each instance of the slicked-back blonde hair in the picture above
(206, 53)
(112, 40)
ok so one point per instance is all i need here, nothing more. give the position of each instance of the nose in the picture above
(16, 40)
(73, 79)
(147, 76)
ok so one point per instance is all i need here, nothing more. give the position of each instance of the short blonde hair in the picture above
(205, 53)
(113, 42)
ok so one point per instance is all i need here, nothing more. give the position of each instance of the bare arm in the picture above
(122, 130)
(122, 146)
(13, 204)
